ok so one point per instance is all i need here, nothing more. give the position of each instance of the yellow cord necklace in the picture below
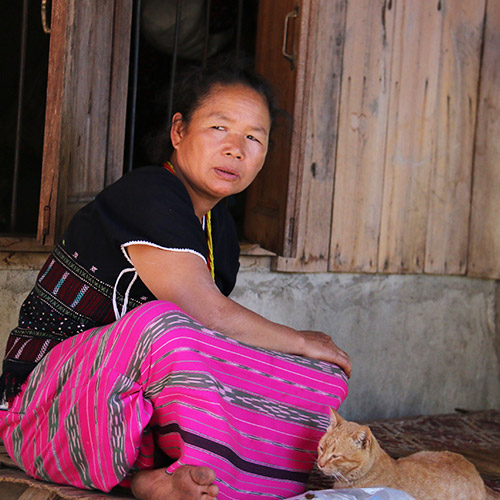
(208, 219)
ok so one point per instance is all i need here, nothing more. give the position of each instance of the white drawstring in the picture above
(127, 292)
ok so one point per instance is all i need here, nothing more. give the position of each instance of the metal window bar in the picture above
(239, 25)
(174, 58)
(24, 98)
(207, 33)
(134, 77)
(19, 123)
(135, 63)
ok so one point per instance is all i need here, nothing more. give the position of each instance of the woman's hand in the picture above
(319, 345)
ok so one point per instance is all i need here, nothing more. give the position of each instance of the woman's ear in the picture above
(177, 129)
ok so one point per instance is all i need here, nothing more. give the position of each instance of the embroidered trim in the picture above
(33, 334)
(186, 250)
(104, 288)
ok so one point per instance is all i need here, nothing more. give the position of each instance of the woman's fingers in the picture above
(319, 345)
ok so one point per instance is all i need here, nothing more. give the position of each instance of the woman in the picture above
(234, 403)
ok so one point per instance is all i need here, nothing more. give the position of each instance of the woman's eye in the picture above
(252, 138)
(218, 127)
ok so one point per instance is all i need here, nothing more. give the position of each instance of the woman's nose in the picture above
(234, 148)
(234, 154)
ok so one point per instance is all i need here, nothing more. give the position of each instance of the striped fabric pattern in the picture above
(100, 403)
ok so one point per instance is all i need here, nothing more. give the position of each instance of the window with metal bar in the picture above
(24, 50)
(167, 36)
(183, 32)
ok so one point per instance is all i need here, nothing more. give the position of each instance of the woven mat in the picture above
(474, 434)
(15, 484)
(18, 485)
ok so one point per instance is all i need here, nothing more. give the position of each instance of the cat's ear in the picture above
(335, 418)
(363, 438)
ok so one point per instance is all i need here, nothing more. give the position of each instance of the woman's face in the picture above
(224, 146)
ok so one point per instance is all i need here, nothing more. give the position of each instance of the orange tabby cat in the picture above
(350, 454)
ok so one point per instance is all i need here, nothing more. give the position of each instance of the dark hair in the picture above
(195, 84)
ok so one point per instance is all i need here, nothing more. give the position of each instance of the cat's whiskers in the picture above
(336, 474)
(341, 476)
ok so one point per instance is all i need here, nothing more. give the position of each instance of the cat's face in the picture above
(345, 450)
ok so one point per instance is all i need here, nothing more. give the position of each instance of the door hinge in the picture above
(291, 229)
(46, 223)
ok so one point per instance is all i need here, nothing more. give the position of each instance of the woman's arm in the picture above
(190, 286)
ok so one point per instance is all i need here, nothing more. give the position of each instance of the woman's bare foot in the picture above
(186, 483)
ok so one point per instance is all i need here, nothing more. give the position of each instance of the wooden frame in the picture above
(85, 113)
(270, 196)
(53, 124)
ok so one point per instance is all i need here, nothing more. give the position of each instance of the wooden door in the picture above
(270, 199)
(86, 106)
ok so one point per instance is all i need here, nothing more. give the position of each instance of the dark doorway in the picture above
(24, 50)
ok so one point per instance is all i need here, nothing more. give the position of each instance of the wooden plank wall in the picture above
(93, 103)
(484, 249)
(450, 196)
(411, 133)
(406, 136)
(362, 131)
(89, 77)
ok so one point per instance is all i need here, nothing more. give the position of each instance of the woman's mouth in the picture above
(227, 174)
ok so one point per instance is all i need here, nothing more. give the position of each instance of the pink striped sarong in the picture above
(101, 404)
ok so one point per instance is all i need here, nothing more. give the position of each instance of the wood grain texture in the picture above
(46, 233)
(120, 56)
(364, 108)
(451, 177)
(315, 143)
(484, 246)
(86, 109)
(411, 135)
(402, 137)
(393, 163)
(92, 105)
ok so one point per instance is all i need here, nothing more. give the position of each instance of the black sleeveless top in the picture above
(88, 280)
